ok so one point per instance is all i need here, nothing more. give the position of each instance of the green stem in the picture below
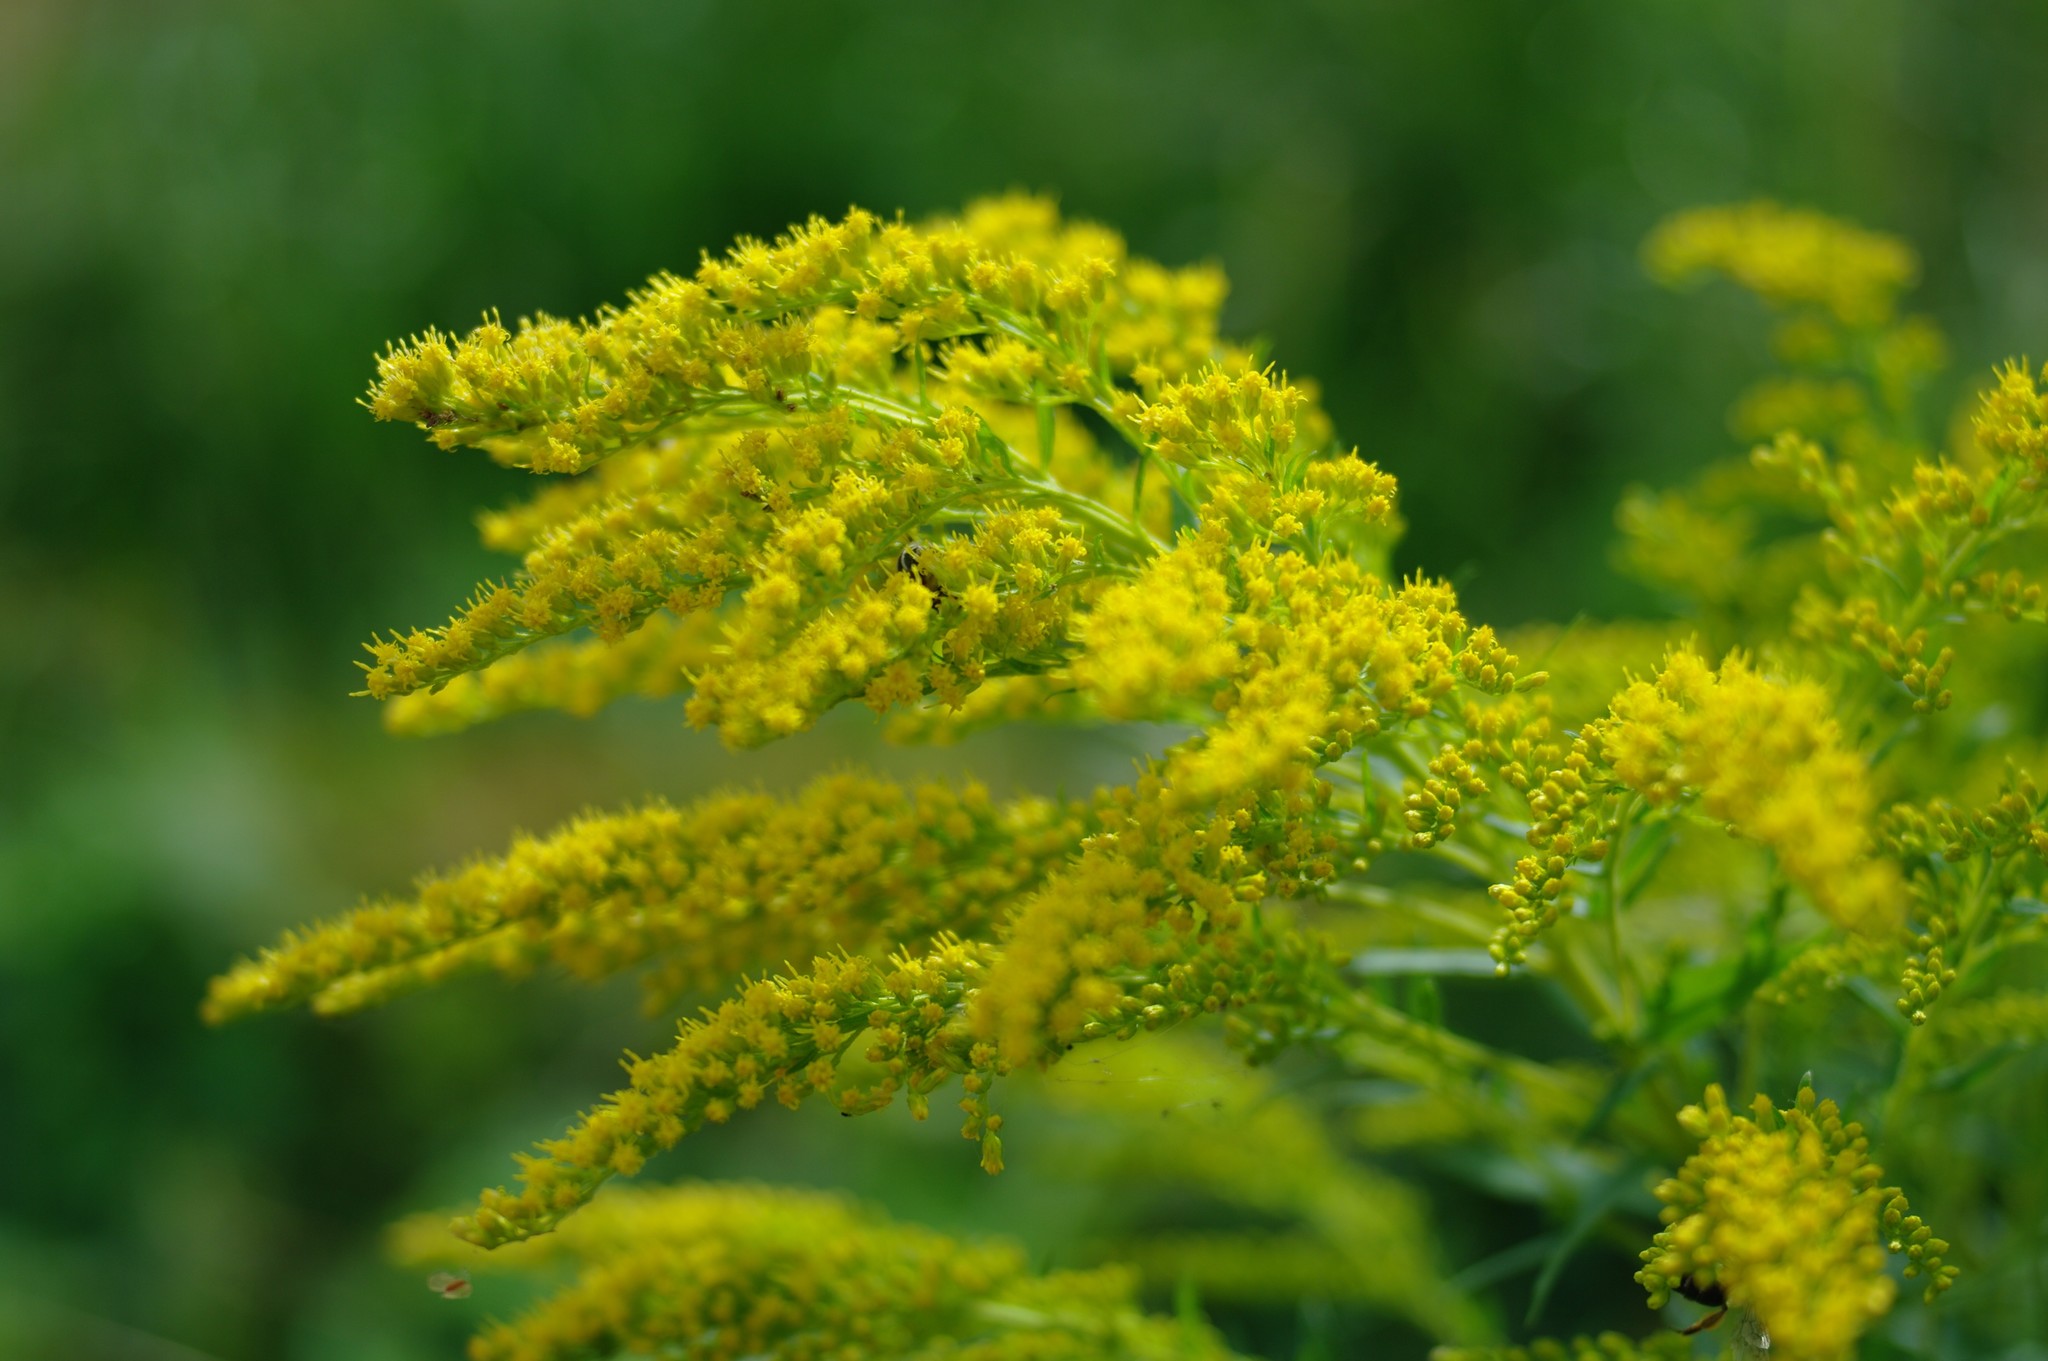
(1628, 1004)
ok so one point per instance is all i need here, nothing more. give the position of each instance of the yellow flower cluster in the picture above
(2012, 423)
(769, 326)
(1321, 656)
(1766, 757)
(578, 676)
(1151, 644)
(2012, 825)
(1235, 417)
(812, 440)
(1569, 814)
(720, 1272)
(780, 1037)
(699, 895)
(1781, 1211)
(1904, 534)
(1788, 256)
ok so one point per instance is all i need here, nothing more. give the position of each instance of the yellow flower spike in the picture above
(697, 895)
(576, 676)
(792, 1032)
(1781, 1212)
(758, 1271)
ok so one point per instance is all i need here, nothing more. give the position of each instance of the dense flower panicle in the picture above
(775, 435)
(1232, 416)
(1569, 814)
(1787, 256)
(719, 1272)
(1326, 656)
(577, 676)
(1782, 1211)
(1164, 638)
(768, 326)
(699, 895)
(606, 571)
(921, 1021)
(781, 1037)
(2011, 828)
(1906, 543)
(1766, 757)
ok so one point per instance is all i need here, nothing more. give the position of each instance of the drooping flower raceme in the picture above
(736, 1271)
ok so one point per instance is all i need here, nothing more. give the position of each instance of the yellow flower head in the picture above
(1781, 1211)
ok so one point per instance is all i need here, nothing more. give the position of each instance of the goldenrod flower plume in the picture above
(1781, 1211)
(731, 1271)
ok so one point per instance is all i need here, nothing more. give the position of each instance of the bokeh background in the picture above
(212, 213)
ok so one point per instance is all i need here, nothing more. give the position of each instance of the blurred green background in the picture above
(211, 214)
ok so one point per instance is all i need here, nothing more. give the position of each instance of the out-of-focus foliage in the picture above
(210, 213)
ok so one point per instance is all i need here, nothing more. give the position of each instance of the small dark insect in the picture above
(783, 402)
(433, 419)
(1712, 1296)
(907, 562)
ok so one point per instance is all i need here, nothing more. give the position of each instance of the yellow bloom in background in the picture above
(1788, 256)
(742, 1271)
(1766, 757)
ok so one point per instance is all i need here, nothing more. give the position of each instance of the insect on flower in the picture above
(449, 1285)
(907, 562)
(1752, 1339)
(1710, 1295)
